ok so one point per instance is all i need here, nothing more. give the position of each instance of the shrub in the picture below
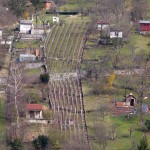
(16, 144)
(147, 124)
(143, 144)
(41, 142)
(44, 78)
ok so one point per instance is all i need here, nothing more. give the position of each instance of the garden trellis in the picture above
(64, 50)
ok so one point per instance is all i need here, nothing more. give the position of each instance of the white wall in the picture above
(0, 34)
(115, 34)
(103, 27)
(25, 28)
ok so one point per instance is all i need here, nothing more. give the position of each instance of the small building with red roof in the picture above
(102, 25)
(130, 100)
(34, 111)
(144, 26)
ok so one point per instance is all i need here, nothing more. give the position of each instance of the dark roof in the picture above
(130, 95)
(34, 107)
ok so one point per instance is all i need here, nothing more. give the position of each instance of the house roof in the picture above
(144, 21)
(130, 95)
(27, 55)
(25, 21)
(102, 22)
(34, 107)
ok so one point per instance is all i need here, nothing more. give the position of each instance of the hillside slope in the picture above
(6, 16)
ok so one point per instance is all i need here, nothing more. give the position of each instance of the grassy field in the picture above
(75, 5)
(2, 124)
(27, 44)
(123, 125)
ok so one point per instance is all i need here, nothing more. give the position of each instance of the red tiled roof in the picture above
(34, 107)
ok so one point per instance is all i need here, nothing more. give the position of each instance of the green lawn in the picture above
(2, 125)
(27, 44)
(34, 71)
(123, 126)
(74, 5)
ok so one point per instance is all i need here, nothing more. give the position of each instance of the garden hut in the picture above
(102, 25)
(144, 26)
(26, 26)
(34, 111)
(130, 100)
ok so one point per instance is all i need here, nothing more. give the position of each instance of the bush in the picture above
(44, 78)
(47, 114)
(41, 142)
(16, 144)
(147, 124)
(143, 144)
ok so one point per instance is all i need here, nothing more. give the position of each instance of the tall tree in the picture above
(14, 102)
(38, 4)
(17, 6)
(139, 9)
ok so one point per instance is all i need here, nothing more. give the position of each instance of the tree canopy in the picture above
(17, 6)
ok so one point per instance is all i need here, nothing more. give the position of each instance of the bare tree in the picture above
(102, 135)
(75, 145)
(14, 103)
(140, 9)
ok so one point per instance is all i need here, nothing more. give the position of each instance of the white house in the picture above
(26, 26)
(55, 19)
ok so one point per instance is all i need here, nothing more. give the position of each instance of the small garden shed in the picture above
(144, 26)
(130, 100)
(34, 111)
(25, 26)
(102, 25)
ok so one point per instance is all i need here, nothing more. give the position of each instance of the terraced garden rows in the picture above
(64, 48)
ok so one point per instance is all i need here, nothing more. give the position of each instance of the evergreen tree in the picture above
(41, 142)
(38, 4)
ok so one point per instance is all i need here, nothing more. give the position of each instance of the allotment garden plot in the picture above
(64, 49)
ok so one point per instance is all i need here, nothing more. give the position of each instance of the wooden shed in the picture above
(34, 111)
(144, 26)
(130, 100)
